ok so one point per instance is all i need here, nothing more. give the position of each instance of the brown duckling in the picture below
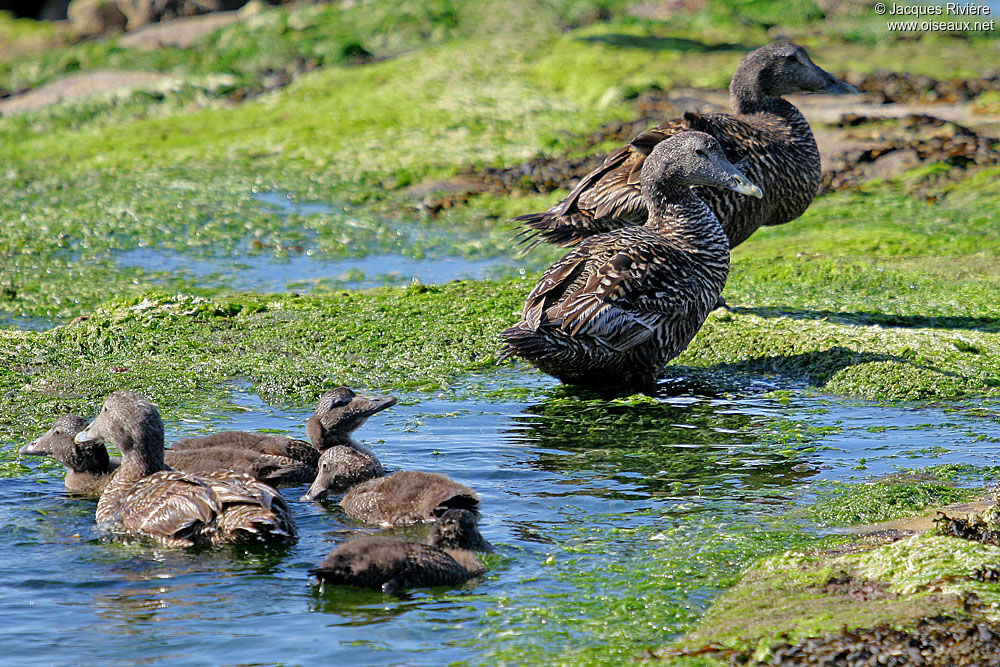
(342, 467)
(178, 509)
(89, 466)
(391, 564)
(407, 496)
(339, 413)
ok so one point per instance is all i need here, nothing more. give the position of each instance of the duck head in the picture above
(133, 424)
(781, 68)
(457, 529)
(691, 158)
(339, 413)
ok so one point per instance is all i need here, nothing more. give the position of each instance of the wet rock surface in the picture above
(930, 642)
(892, 87)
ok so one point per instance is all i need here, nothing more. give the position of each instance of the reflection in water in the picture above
(680, 446)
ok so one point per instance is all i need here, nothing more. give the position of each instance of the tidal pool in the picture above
(301, 271)
(616, 525)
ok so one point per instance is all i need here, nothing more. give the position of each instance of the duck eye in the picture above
(699, 152)
(791, 57)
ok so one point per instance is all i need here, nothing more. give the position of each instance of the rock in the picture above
(90, 18)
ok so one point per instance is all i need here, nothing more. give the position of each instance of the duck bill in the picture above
(87, 436)
(33, 448)
(833, 85)
(315, 492)
(378, 403)
(737, 182)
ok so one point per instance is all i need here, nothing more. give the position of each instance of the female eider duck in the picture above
(767, 135)
(177, 509)
(339, 413)
(392, 564)
(407, 496)
(89, 467)
(622, 304)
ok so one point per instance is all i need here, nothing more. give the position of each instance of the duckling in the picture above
(89, 467)
(177, 509)
(392, 564)
(622, 304)
(342, 467)
(339, 413)
(407, 496)
(766, 133)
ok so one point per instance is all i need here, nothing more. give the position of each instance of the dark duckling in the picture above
(392, 564)
(89, 466)
(178, 509)
(622, 304)
(342, 467)
(339, 413)
(407, 496)
(767, 135)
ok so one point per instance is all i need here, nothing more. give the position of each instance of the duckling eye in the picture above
(791, 57)
(700, 152)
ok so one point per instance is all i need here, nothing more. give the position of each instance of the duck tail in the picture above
(525, 343)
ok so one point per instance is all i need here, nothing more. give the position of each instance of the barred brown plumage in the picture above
(178, 509)
(766, 136)
(621, 304)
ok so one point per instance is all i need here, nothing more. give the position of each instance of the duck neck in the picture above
(679, 212)
(143, 454)
(746, 94)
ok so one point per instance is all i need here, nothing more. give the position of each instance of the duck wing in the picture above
(251, 511)
(609, 197)
(171, 506)
(633, 285)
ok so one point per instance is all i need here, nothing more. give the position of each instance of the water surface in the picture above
(578, 502)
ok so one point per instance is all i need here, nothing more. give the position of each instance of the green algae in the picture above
(796, 595)
(852, 504)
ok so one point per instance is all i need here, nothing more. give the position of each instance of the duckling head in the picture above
(341, 467)
(457, 529)
(339, 413)
(691, 158)
(58, 443)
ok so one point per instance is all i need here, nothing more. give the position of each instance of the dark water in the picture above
(570, 491)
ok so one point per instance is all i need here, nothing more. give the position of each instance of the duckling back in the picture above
(391, 564)
(407, 497)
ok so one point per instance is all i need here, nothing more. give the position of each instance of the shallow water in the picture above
(303, 271)
(578, 501)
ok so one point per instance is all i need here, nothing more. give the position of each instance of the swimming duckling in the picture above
(339, 413)
(407, 496)
(769, 137)
(620, 305)
(342, 467)
(391, 564)
(177, 509)
(89, 466)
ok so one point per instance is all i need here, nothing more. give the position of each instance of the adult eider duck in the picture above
(407, 496)
(177, 509)
(89, 467)
(766, 133)
(339, 413)
(391, 564)
(621, 304)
